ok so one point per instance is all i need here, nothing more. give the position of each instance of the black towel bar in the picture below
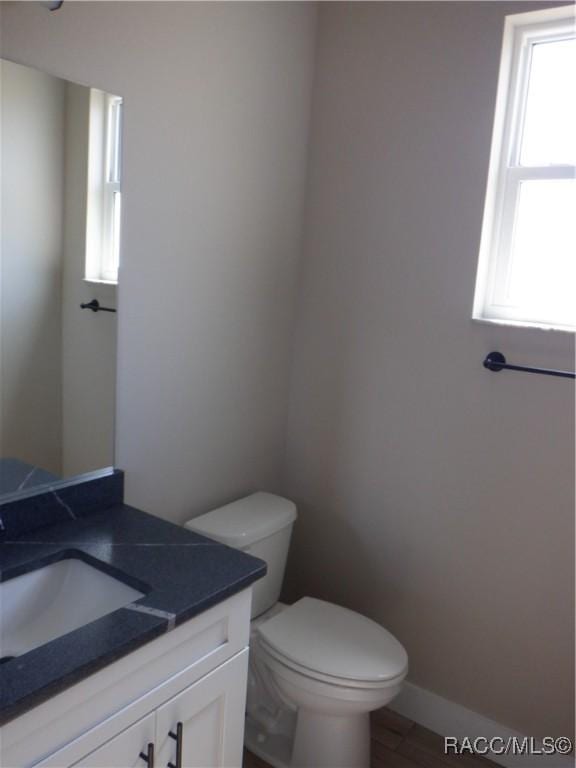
(496, 361)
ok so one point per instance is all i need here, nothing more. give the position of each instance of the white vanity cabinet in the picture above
(178, 700)
(202, 722)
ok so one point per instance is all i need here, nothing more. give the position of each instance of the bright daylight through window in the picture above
(104, 195)
(527, 268)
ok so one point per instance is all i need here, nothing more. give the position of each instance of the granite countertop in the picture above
(180, 572)
(16, 475)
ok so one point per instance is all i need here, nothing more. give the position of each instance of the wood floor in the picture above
(399, 743)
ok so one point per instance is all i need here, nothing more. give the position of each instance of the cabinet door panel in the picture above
(123, 751)
(212, 715)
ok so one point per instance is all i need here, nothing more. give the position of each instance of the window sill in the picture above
(524, 324)
(94, 281)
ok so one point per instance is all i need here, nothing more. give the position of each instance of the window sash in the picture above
(525, 40)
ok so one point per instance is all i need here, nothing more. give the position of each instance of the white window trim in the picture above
(505, 173)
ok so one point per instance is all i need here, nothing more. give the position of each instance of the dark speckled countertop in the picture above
(181, 574)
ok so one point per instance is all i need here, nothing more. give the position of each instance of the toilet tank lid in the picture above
(246, 520)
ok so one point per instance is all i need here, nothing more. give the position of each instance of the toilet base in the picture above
(330, 741)
(320, 741)
(274, 749)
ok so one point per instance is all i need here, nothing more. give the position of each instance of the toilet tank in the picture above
(260, 524)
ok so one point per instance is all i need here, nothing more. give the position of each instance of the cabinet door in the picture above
(123, 751)
(211, 713)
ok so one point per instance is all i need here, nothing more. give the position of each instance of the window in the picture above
(527, 266)
(104, 195)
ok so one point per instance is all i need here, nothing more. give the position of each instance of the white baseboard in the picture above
(450, 719)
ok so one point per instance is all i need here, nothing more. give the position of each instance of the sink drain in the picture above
(6, 659)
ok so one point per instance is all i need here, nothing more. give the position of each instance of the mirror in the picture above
(60, 161)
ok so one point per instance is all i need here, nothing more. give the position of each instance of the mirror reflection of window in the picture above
(104, 188)
(112, 194)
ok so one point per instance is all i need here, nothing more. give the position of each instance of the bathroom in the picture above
(303, 203)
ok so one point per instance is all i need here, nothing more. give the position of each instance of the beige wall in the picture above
(434, 496)
(216, 115)
(32, 159)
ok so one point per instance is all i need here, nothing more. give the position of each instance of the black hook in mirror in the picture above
(94, 305)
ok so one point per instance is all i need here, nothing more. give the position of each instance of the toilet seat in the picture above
(331, 644)
(329, 680)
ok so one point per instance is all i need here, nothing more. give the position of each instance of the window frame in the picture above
(506, 174)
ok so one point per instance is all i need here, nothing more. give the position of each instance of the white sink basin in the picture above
(50, 602)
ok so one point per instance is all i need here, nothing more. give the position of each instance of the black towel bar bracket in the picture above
(496, 361)
(94, 305)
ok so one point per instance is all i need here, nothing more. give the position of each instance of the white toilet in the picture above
(316, 670)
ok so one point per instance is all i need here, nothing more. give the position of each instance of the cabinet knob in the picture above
(178, 738)
(148, 757)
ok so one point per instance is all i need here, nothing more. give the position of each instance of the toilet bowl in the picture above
(316, 669)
